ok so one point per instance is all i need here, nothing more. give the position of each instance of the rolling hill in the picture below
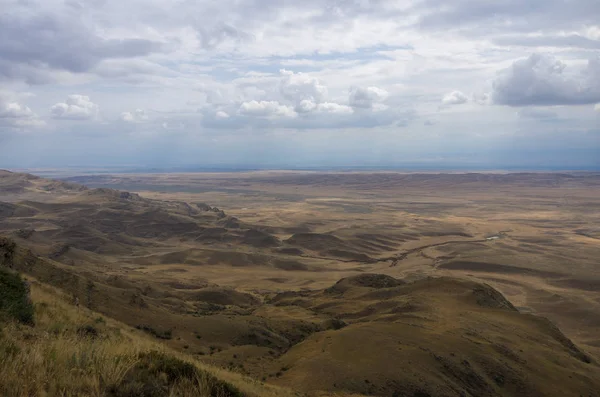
(127, 258)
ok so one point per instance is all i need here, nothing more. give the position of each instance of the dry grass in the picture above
(52, 359)
(57, 357)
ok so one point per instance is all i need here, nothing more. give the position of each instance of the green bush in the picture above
(14, 298)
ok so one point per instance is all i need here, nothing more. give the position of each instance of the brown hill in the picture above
(434, 337)
(109, 221)
(19, 183)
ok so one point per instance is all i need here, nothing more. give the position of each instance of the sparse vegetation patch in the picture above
(160, 334)
(14, 298)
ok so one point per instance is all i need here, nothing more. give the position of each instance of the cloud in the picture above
(36, 40)
(14, 114)
(482, 98)
(478, 18)
(207, 67)
(76, 107)
(597, 107)
(298, 87)
(455, 98)
(365, 98)
(265, 109)
(173, 125)
(123, 68)
(305, 106)
(569, 41)
(537, 113)
(308, 106)
(137, 116)
(219, 34)
(272, 115)
(14, 110)
(334, 108)
(543, 80)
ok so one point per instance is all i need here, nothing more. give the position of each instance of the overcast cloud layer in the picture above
(300, 83)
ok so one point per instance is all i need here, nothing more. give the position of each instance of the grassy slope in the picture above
(60, 356)
(433, 337)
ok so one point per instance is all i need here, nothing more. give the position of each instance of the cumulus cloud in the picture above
(543, 80)
(597, 107)
(265, 109)
(14, 110)
(482, 98)
(305, 106)
(298, 87)
(221, 115)
(366, 98)
(76, 107)
(334, 108)
(308, 115)
(455, 98)
(308, 106)
(15, 114)
(137, 116)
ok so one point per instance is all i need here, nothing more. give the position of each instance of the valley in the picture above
(378, 283)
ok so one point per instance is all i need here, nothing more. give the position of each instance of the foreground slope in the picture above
(70, 351)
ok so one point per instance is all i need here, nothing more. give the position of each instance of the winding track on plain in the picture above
(398, 257)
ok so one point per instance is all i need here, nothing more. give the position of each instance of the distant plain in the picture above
(533, 236)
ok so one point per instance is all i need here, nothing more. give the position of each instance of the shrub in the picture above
(157, 374)
(7, 251)
(160, 334)
(14, 298)
(88, 331)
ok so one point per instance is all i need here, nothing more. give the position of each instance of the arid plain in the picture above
(243, 270)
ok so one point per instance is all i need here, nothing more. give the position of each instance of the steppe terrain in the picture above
(368, 283)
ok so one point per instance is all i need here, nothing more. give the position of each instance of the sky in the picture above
(300, 83)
